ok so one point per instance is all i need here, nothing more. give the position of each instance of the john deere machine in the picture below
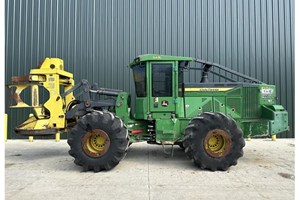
(209, 120)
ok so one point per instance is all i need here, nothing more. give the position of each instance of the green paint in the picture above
(162, 105)
(157, 57)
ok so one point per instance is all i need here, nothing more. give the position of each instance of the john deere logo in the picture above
(164, 103)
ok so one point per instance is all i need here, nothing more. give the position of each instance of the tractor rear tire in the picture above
(213, 141)
(98, 142)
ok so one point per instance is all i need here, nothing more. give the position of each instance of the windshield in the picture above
(139, 76)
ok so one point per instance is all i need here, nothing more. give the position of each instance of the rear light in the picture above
(138, 131)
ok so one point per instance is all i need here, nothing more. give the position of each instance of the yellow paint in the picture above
(5, 126)
(217, 143)
(31, 116)
(55, 80)
(273, 137)
(37, 78)
(30, 138)
(57, 137)
(207, 89)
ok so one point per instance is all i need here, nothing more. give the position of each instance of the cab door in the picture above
(162, 94)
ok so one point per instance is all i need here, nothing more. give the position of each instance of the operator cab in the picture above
(158, 84)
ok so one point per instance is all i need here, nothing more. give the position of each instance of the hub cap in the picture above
(95, 143)
(217, 143)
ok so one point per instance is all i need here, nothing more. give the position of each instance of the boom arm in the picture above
(81, 107)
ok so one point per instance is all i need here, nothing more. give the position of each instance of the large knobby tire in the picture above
(213, 141)
(98, 142)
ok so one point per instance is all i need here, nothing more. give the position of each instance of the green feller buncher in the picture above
(209, 120)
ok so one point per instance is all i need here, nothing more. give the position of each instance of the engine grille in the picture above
(250, 102)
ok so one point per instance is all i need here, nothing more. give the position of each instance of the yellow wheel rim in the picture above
(95, 143)
(217, 143)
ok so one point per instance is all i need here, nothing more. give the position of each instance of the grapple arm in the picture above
(48, 117)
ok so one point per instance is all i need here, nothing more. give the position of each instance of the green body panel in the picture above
(123, 111)
(141, 111)
(157, 57)
(168, 130)
(180, 111)
(253, 128)
(252, 106)
(278, 118)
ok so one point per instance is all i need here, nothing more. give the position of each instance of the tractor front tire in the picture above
(98, 142)
(213, 141)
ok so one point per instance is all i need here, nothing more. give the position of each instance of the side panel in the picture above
(141, 107)
(169, 131)
(229, 105)
(234, 107)
(254, 128)
(227, 100)
(239, 102)
(278, 117)
(196, 105)
(219, 104)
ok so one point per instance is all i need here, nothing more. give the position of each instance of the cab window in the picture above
(162, 80)
(139, 76)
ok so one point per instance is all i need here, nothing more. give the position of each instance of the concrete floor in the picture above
(44, 170)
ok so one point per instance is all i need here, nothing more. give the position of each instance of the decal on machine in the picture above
(207, 89)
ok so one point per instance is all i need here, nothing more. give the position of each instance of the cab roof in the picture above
(157, 57)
